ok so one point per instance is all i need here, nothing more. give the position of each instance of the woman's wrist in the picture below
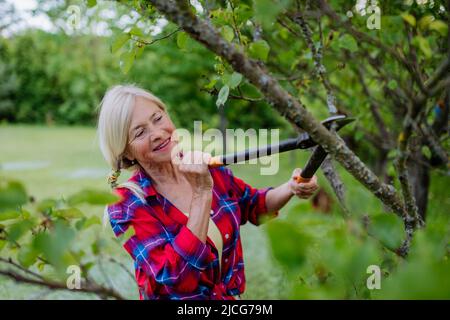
(288, 189)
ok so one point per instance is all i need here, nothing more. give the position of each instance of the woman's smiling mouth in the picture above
(162, 146)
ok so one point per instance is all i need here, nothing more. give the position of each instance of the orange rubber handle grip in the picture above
(215, 162)
(300, 179)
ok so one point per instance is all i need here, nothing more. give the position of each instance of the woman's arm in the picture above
(194, 166)
(199, 215)
(276, 198)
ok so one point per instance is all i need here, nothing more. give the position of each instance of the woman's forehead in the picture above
(145, 105)
(143, 109)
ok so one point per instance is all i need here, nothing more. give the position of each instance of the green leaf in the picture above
(94, 197)
(136, 31)
(388, 229)
(97, 246)
(138, 51)
(91, 221)
(243, 13)
(10, 214)
(228, 33)
(12, 195)
(362, 256)
(267, 10)
(288, 244)
(56, 245)
(409, 18)
(86, 267)
(425, 21)
(2, 244)
(85, 223)
(182, 39)
(211, 84)
(235, 80)
(392, 84)
(259, 50)
(426, 151)
(18, 229)
(27, 256)
(124, 237)
(91, 3)
(348, 42)
(119, 42)
(223, 96)
(423, 44)
(69, 213)
(46, 205)
(126, 61)
(439, 26)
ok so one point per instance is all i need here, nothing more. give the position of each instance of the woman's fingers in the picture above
(296, 172)
(195, 162)
(194, 165)
(303, 190)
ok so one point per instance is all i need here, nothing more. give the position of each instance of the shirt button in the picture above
(214, 293)
(227, 236)
(226, 260)
(212, 212)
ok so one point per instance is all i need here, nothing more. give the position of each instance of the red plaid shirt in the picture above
(170, 261)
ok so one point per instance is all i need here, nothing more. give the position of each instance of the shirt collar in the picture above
(144, 181)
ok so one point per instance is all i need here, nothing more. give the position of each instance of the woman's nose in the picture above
(156, 137)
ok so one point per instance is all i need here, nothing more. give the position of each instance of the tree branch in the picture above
(364, 37)
(88, 288)
(148, 43)
(285, 104)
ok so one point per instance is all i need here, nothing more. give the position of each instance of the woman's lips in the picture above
(162, 146)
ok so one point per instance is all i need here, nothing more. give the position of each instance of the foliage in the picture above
(326, 257)
(41, 239)
(38, 85)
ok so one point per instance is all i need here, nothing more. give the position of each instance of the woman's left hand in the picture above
(303, 190)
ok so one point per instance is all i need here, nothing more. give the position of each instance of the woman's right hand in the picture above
(194, 166)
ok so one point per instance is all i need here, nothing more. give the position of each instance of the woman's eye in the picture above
(159, 118)
(139, 133)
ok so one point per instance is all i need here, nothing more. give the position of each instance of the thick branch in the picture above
(284, 103)
(62, 286)
(317, 56)
(331, 174)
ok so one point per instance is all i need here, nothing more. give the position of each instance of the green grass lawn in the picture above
(58, 161)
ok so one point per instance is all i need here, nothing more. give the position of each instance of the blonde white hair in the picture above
(113, 125)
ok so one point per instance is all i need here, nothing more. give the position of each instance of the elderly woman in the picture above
(184, 216)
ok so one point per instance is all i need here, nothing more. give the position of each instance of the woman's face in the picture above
(150, 138)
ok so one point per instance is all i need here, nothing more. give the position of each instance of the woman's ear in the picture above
(127, 155)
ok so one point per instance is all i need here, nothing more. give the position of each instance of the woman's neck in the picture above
(164, 173)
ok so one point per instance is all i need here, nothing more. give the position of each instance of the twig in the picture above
(148, 43)
(317, 56)
(374, 109)
(122, 266)
(11, 262)
(89, 288)
(214, 91)
(336, 183)
(361, 36)
(235, 26)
